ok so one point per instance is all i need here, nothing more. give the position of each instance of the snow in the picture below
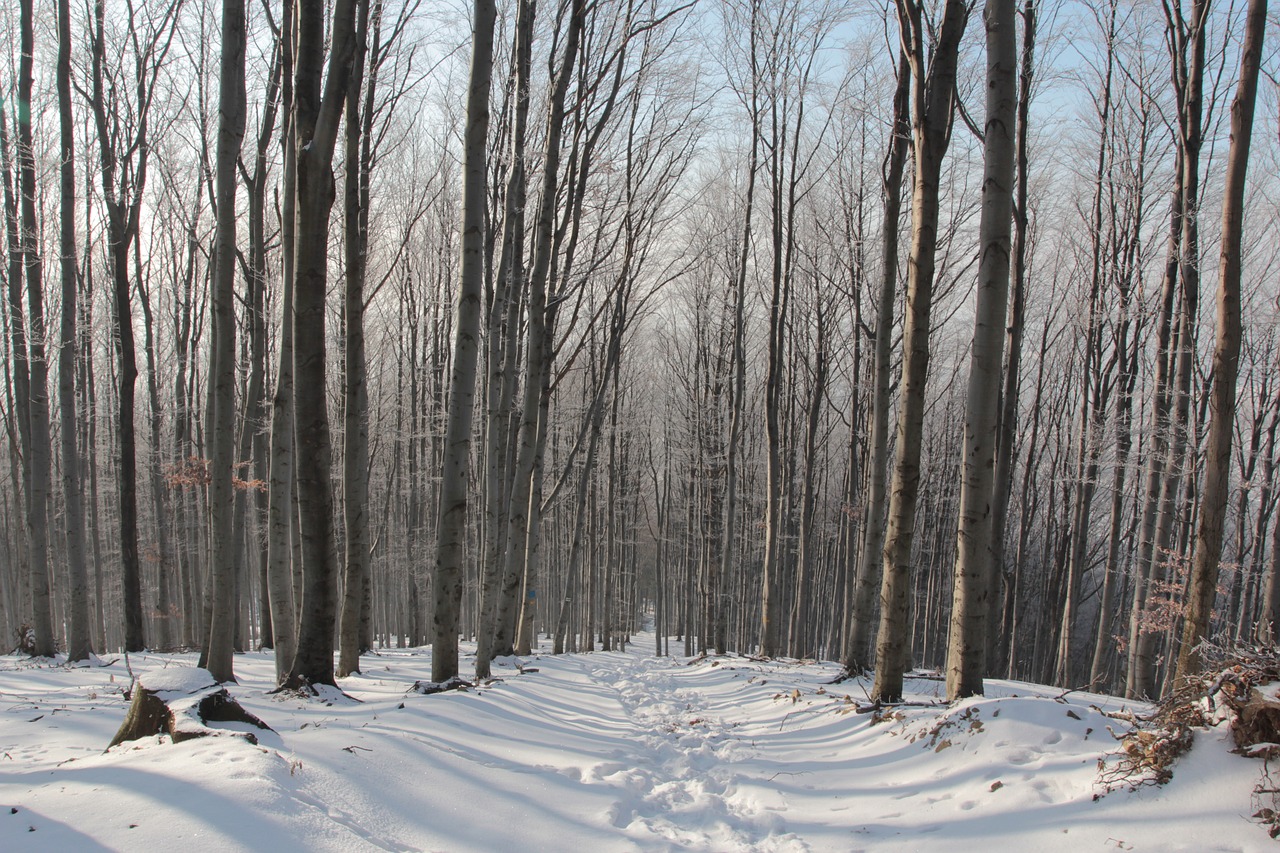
(613, 751)
(177, 680)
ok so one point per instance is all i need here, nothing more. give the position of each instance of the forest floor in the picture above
(608, 751)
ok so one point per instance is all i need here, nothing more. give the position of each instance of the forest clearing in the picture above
(600, 751)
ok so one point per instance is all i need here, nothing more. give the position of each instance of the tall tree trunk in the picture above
(281, 491)
(79, 645)
(1187, 46)
(452, 529)
(1140, 665)
(316, 120)
(164, 613)
(737, 392)
(16, 339)
(507, 508)
(1089, 443)
(966, 650)
(38, 450)
(223, 558)
(355, 392)
(1226, 356)
(1000, 622)
(871, 559)
(933, 101)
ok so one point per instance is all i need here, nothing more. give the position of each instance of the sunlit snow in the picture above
(596, 752)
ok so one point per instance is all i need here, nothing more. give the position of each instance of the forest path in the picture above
(686, 779)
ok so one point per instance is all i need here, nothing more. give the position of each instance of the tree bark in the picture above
(355, 396)
(1226, 356)
(871, 559)
(966, 650)
(933, 97)
(38, 450)
(79, 645)
(452, 528)
(316, 120)
(223, 558)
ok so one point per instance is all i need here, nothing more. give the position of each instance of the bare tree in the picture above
(974, 571)
(123, 131)
(318, 100)
(452, 529)
(38, 449)
(79, 645)
(1226, 356)
(933, 100)
(871, 557)
(222, 360)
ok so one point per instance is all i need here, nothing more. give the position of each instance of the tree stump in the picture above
(182, 702)
(1258, 718)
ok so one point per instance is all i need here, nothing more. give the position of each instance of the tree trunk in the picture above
(452, 529)
(871, 559)
(38, 450)
(281, 491)
(223, 558)
(966, 650)
(355, 397)
(315, 127)
(79, 645)
(1226, 356)
(933, 95)
(1000, 622)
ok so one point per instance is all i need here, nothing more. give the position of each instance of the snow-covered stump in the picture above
(182, 702)
(1257, 717)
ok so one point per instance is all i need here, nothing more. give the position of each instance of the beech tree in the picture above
(932, 103)
(974, 571)
(79, 644)
(451, 531)
(1215, 494)
(318, 99)
(222, 560)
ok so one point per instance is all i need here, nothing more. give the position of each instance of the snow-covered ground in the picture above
(597, 752)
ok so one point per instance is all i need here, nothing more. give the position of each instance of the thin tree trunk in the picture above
(316, 119)
(871, 559)
(281, 507)
(1226, 356)
(79, 645)
(999, 622)
(355, 400)
(222, 368)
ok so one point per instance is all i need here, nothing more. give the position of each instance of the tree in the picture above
(318, 100)
(123, 130)
(355, 392)
(38, 449)
(871, 557)
(932, 102)
(1226, 355)
(452, 529)
(975, 568)
(79, 645)
(1186, 41)
(281, 488)
(222, 360)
